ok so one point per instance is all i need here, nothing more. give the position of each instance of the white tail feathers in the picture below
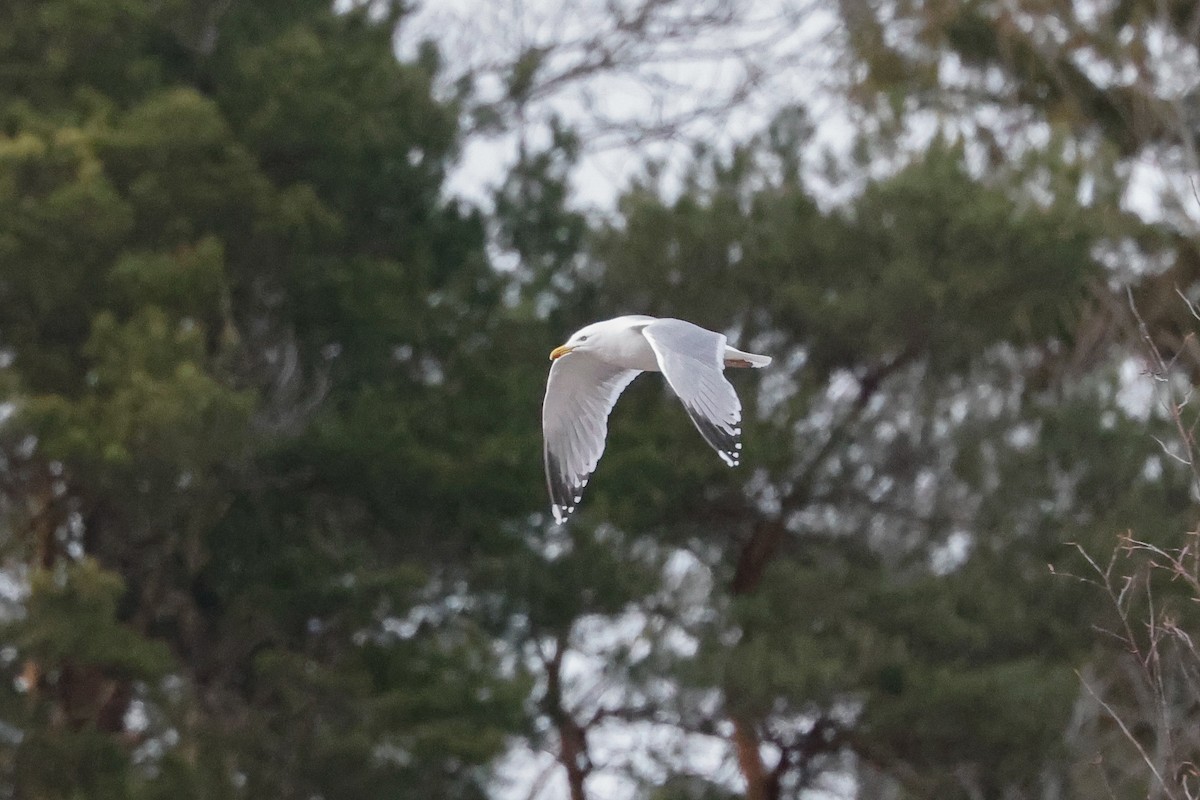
(738, 358)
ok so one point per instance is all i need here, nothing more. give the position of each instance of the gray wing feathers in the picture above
(580, 393)
(692, 360)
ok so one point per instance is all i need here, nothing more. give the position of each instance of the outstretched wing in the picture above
(692, 360)
(580, 393)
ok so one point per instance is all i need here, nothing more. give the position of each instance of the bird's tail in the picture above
(737, 358)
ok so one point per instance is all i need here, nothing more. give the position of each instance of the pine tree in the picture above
(875, 594)
(247, 355)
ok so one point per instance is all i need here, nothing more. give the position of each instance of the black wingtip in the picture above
(723, 440)
(565, 494)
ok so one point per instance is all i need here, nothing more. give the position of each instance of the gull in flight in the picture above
(596, 364)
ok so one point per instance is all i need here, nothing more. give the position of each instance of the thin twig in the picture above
(1128, 734)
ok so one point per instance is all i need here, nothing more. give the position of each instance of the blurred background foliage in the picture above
(273, 519)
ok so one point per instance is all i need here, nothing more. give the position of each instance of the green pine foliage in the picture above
(917, 472)
(232, 303)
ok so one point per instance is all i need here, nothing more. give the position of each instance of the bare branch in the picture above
(1128, 735)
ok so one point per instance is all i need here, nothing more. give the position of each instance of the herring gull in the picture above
(591, 370)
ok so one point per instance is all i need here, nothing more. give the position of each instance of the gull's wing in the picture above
(580, 393)
(692, 360)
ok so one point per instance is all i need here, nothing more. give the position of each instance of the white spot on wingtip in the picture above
(737, 445)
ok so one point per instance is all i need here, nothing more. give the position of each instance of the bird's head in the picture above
(581, 341)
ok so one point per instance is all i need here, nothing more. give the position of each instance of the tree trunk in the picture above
(756, 554)
(42, 524)
(82, 695)
(745, 740)
(573, 755)
(572, 738)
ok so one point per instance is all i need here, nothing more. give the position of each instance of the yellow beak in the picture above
(559, 352)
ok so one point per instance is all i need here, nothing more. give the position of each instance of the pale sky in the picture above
(796, 62)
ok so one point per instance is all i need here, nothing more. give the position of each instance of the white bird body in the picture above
(596, 364)
(620, 341)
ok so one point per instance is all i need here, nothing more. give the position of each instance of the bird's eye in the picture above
(583, 338)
